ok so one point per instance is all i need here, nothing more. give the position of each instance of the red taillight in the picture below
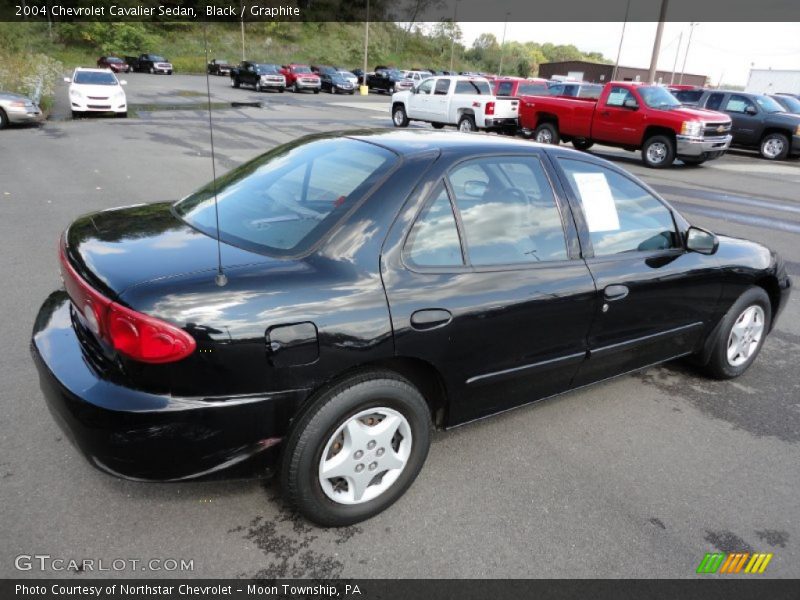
(489, 108)
(134, 334)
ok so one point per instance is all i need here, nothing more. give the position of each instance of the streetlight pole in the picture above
(453, 34)
(621, 37)
(651, 76)
(685, 56)
(241, 6)
(675, 64)
(503, 45)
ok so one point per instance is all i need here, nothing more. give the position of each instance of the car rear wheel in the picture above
(437, 125)
(658, 152)
(740, 335)
(399, 116)
(546, 133)
(356, 449)
(467, 124)
(3, 119)
(775, 146)
(316, 90)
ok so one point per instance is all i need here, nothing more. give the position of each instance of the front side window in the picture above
(618, 96)
(425, 87)
(434, 241)
(285, 200)
(508, 211)
(620, 214)
(739, 104)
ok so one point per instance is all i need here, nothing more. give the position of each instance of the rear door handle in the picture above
(430, 318)
(615, 292)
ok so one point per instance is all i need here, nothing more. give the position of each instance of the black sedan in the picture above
(336, 83)
(361, 289)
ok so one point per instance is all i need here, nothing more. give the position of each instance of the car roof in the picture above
(411, 142)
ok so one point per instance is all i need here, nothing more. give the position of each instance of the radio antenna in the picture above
(220, 279)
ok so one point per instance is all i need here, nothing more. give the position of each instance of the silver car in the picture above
(15, 108)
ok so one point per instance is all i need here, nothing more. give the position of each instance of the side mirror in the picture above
(123, 82)
(701, 240)
(751, 110)
(630, 104)
(475, 188)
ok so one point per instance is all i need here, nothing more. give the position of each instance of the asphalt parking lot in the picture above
(637, 477)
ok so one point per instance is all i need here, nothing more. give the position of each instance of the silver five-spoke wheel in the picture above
(745, 335)
(365, 456)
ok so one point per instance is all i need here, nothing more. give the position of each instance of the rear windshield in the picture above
(477, 86)
(301, 70)
(95, 78)
(286, 200)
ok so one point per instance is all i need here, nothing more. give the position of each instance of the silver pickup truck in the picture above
(466, 102)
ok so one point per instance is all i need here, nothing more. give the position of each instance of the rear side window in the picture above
(620, 214)
(287, 199)
(508, 211)
(434, 241)
(477, 86)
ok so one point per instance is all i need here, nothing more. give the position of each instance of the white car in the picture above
(417, 76)
(96, 90)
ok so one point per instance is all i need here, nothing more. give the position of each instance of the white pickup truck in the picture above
(466, 102)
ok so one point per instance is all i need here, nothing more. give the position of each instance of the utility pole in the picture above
(503, 45)
(364, 89)
(675, 64)
(621, 37)
(453, 34)
(651, 76)
(685, 56)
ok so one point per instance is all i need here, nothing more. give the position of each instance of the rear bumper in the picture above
(144, 436)
(500, 123)
(693, 146)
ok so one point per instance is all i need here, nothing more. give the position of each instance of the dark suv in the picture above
(758, 121)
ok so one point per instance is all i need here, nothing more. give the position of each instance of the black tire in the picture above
(122, 115)
(302, 453)
(295, 89)
(694, 161)
(547, 133)
(718, 365)
(774, 146)
(258, 87)
(152, 71)
(316, 90)
(235, 82)
(281, 90)
(658, 152)
(582, 143)
(3, 119)
(399, 116)
(466, 124)
(76, 114)
(437, 125)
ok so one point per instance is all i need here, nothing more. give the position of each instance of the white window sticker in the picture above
(598, 203)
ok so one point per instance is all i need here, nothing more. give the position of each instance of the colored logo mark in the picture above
(734, 562)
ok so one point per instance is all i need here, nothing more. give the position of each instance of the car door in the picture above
(618, 118)
(485, 283)
(746, 119)
(439, 101)
(655, 300)
(420, 100)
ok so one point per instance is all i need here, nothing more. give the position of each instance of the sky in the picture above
(722, 51)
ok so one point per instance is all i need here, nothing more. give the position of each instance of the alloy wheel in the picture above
(772, 147)
(657, 153)
(745, 335)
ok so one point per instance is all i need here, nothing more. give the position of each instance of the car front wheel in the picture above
(740, 335)
(658, 152)
(399, 116)
(3, 119)
(356, 449)
(775, 146)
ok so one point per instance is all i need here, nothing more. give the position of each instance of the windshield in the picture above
(301, 69)
(94, 78)
(284, 201)
(347, 74)
(658, 97)
(264, 69)
(221, 61)
(113, 59)
(157, 58)
(768, 104)
(791, 104)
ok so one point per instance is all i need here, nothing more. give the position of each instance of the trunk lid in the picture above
(118, 248)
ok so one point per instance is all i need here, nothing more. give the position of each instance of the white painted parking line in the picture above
(368, 106)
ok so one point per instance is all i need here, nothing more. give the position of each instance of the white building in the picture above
(771, 81)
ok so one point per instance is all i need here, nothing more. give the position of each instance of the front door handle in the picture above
(430, 318)
(615, 292)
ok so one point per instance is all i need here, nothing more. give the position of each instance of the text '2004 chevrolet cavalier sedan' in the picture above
(362, 289)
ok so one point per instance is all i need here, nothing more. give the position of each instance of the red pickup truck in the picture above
(632, 116)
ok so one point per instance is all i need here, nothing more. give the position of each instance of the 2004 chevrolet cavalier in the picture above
(376, 285)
